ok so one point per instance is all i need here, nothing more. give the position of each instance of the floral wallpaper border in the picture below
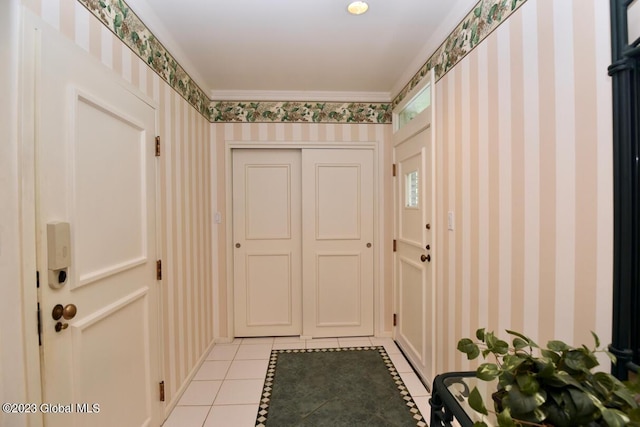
(311, 112)
(125, 24)
(485, 17)
(116, 15)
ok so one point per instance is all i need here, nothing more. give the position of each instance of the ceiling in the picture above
(307, 49)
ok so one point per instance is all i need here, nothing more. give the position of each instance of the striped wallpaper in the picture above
(523, 157)
(184, 187)
(524, 160)
(302, 132)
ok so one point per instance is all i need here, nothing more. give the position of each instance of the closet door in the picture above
(337, 212)
(267, 242)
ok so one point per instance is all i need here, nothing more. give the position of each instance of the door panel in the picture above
(339, 274)
(337, 214)
(414, 331)
(96, 171)
(266, 233)
(337, 242)
(120, 242)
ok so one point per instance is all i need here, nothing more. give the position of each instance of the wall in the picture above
(524, 160)
(12, 372)
(294, 132)
(185, 191)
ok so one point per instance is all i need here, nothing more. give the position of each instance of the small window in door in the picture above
(411, 196)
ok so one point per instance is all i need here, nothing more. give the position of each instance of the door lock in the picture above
(60, 326)
(66, 312)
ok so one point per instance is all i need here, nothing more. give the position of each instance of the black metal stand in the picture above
(626, 193)
(444, 405)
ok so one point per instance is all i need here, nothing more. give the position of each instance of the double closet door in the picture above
(303, 242)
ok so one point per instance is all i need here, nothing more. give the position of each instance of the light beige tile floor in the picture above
(226, 390)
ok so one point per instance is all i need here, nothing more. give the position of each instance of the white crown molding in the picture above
(458, 12)
(265, 95)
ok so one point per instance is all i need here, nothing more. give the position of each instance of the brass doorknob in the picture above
(68, 312)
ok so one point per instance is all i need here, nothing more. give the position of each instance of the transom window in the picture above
(414, 107)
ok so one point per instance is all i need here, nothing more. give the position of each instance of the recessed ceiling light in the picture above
(357, 7)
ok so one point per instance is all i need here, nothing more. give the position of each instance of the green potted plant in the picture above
(551, 386)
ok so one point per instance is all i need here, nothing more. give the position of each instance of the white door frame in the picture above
(417, 125)
(27, 176)
(378, 230)
(30, 48)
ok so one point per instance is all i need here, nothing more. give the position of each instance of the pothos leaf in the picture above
(596, 339)
(476, 402)
(500, 347)
(522, 403)
(465, 345)
(505, 420)
(487, 371)
(556, 345)
(524, 337)
(614, 417)
(519, 343)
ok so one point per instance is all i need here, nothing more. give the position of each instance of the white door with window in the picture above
(96, 242)
(303, 242)
(413, 260)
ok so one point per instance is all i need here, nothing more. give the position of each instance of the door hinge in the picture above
(161, 391)
(37, 279)
(393, 169)
(39, 326)
(395, 245)
(159, 269)
(157, 146)
(395, 319)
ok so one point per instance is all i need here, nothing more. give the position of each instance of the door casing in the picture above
(379, 246)
(421, 122)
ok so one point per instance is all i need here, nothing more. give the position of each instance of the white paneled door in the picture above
(413, 259)
(267, 242)
(303, 242)
(96, 243)
(337, 200)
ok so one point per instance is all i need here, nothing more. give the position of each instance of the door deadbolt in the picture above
(67, 312)
(61, 326)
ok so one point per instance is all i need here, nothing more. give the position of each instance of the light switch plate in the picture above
(450, 220)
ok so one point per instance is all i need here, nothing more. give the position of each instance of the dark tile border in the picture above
(263, 410)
